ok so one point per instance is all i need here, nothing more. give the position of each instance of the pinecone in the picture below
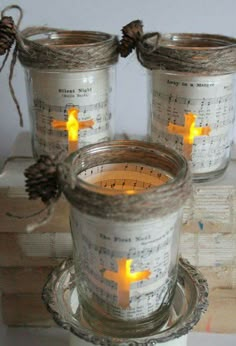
(132, 32)
(41, 180)
(7, 34)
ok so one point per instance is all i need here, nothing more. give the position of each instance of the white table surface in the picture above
(59, 337)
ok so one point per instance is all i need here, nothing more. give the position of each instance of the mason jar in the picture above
(191, 97)
(70, 87)
(126, 201)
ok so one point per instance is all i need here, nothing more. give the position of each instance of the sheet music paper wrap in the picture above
(151, 245)
(68, 69)
(210, 98)
(126, 212)
(51, 94)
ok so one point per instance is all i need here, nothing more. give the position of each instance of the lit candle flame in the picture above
(123, 277)
(72, 126)
(130, 192)
(189, 131)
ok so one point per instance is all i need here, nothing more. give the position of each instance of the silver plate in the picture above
(190, 301)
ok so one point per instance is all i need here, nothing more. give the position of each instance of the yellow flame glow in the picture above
(194, 132)
(189, 131)
(72, 124)
(123, 277)
(130, 192)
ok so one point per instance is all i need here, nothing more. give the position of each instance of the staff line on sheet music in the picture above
(191, 100)
(38, 104)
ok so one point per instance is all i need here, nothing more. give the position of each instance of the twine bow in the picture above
(8, 33)
(181, 52)
(42, 183)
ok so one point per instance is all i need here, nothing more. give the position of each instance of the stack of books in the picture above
(208, 241)
(26, 259)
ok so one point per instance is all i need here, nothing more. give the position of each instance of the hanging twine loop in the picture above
(190, 53)
(8, 34)
(42, 183)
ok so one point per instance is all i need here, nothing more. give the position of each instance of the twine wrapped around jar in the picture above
(120, 206)
(181, 52)
(49, 177)
(67, 50)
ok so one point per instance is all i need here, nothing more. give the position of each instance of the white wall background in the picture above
(209, 16)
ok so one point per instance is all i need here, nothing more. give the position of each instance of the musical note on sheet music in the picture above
(55, 93)
(125, 176)
(211, 99)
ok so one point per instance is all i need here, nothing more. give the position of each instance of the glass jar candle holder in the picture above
(126, 202)
(191, 96)
(70, 86)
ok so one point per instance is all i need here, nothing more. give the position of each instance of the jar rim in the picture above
(87, 196)
(82, 38)
(188, 52)
(64, 49)
(194, 41)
